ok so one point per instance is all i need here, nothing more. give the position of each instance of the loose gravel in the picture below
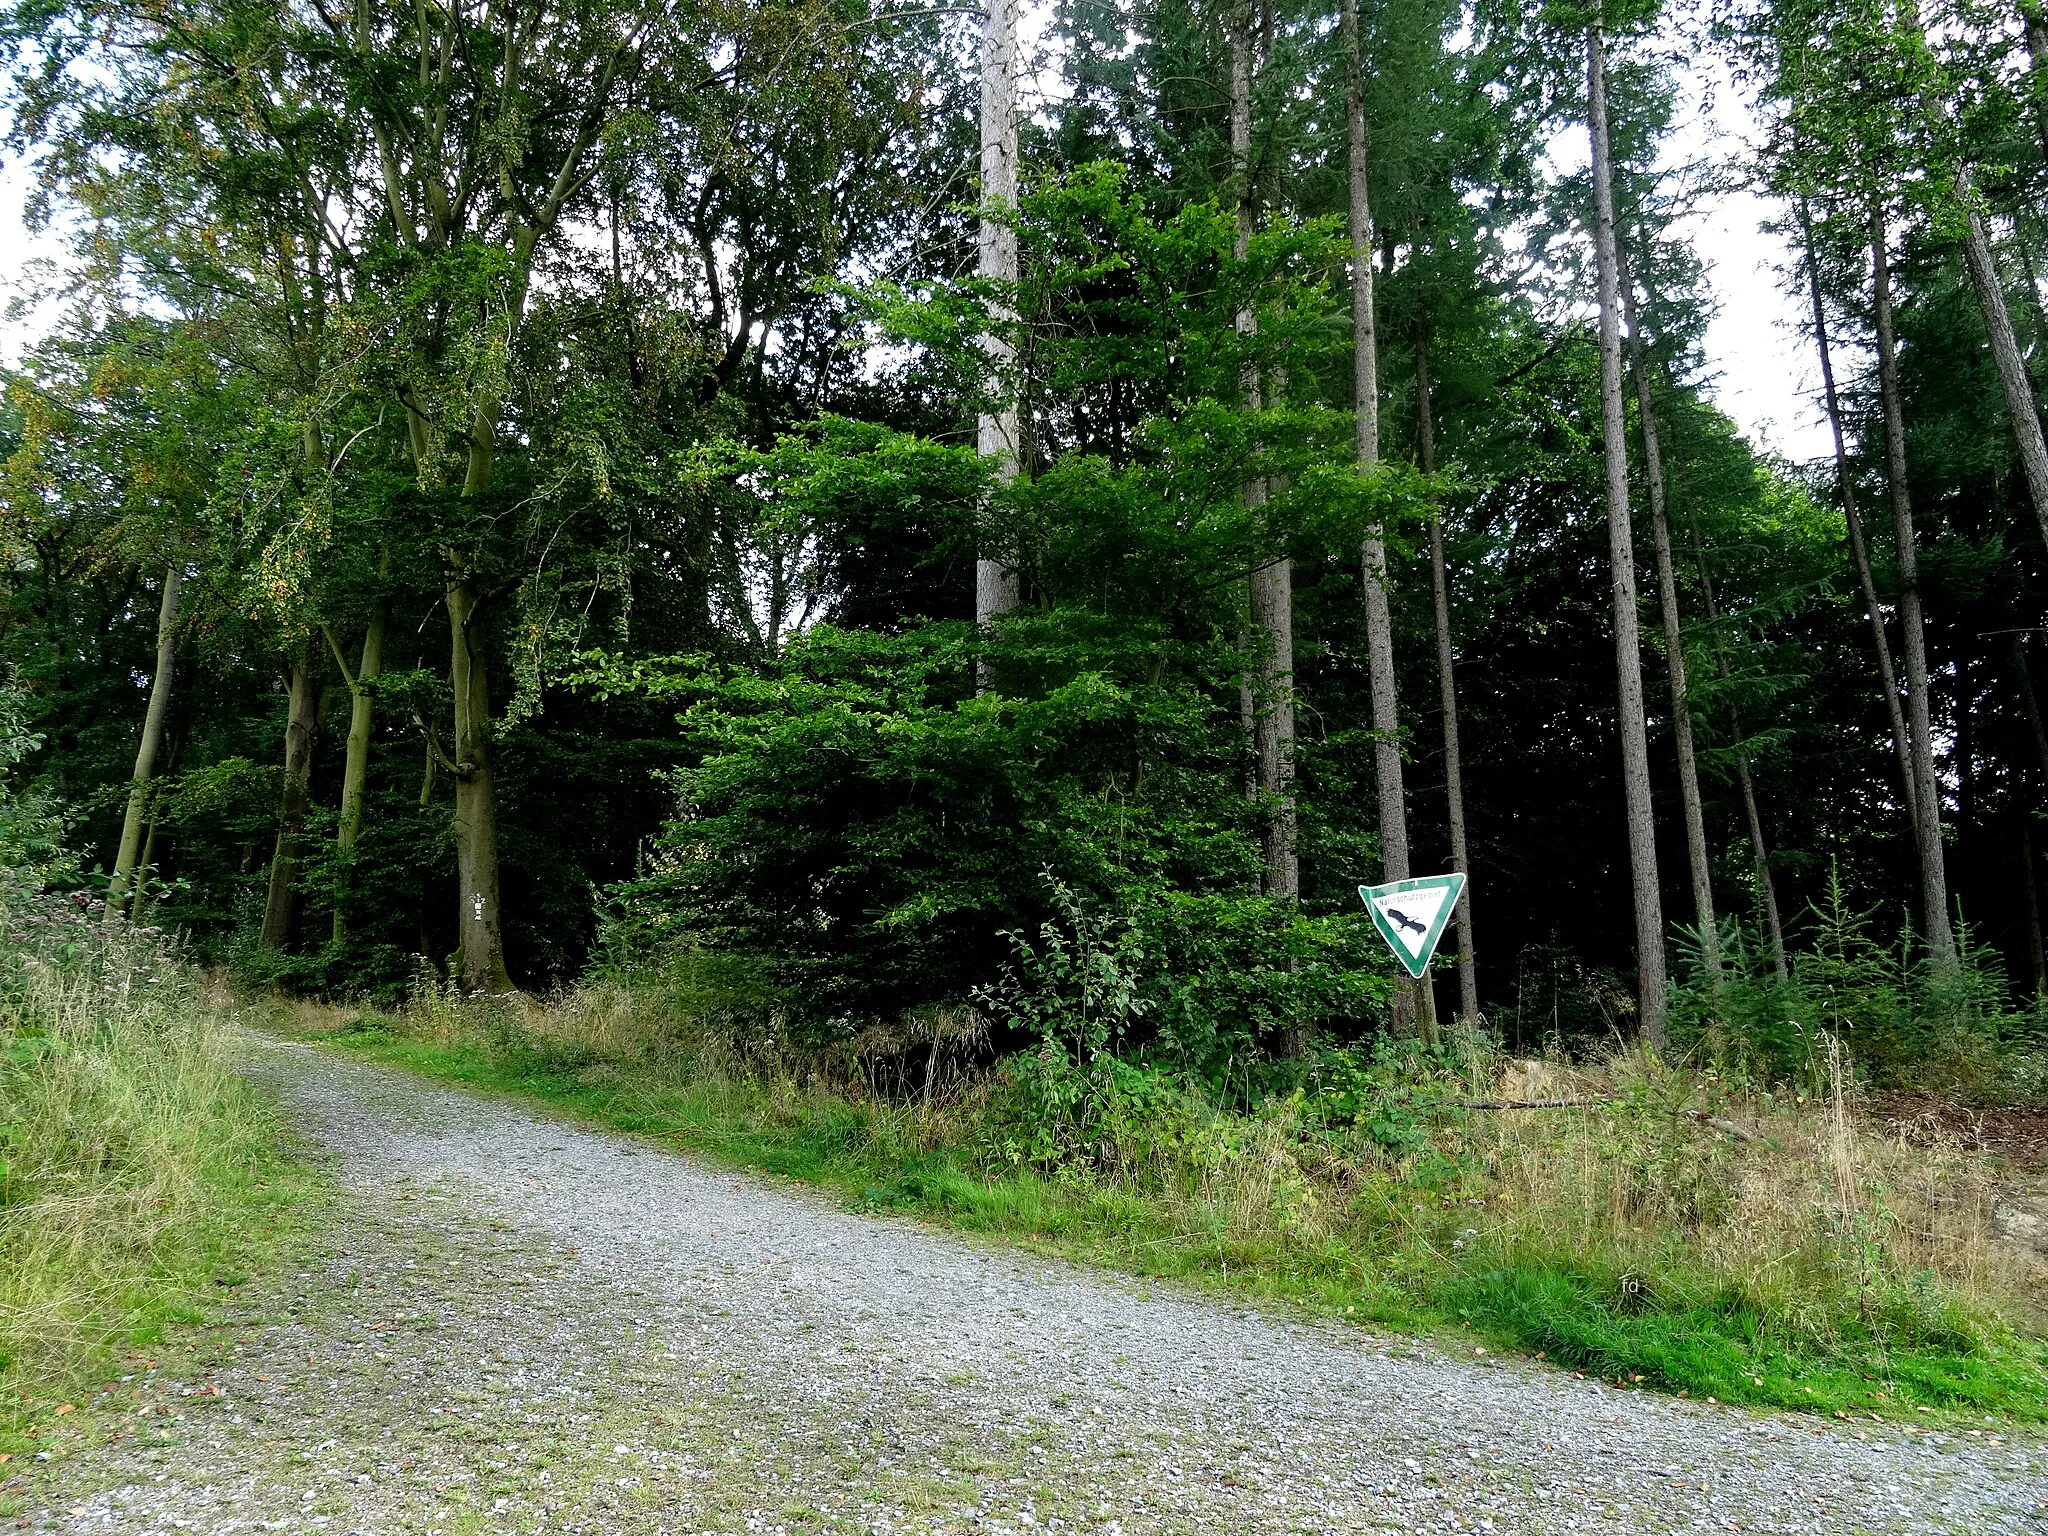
(520, 1326)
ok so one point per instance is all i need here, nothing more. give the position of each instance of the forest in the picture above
(519, 489)
(860, 587)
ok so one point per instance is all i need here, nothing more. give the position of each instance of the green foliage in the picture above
(871, 826)
(1903, 1019)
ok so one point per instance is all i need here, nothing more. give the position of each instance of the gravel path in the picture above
(521, 1326)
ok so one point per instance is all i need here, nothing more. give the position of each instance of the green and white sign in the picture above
(1411, 915)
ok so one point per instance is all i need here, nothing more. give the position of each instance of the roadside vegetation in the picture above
(908, 598)
(139, 1170)
(1735, 1225)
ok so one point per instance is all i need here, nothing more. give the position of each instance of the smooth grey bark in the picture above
(480, 944)
(1934, 917)
(1859, 546)
(135, 817)
(362, 721)
(1418, 1002)
(1635, 746)
(301, 728)
(1447, 683)
(996, 586)
(1759, 851)
(143, 867)
(1674, 640)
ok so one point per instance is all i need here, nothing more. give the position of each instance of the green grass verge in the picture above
(87, 1312)
(1576, 1318)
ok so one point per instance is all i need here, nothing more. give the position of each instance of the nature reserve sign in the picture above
(1411, 915)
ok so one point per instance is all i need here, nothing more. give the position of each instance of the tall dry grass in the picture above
(135, 1154)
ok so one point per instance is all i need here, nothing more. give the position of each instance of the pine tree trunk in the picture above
(2018, 389)
(1635, 746)
(1447, 682)
(1767, 888)
(996, 588)
(1674, 643)
(1859, 547)
(136, 816)
(1934, 917)
(281, 900)
(1767, 891)
(480, 941)
(1417, 1005)
(355, 774)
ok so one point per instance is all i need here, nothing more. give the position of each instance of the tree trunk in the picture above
(281, 901)
(134, 818)
(1766, 887)
(1674, 642)
(478, 921)
(1934, 916)
(2005, 352)
(143, 867)
(1767, 891)
(1447, 682)
(1417, 1003)
(1635, 747)
(1270, 587)
(2030, 883)
(1859, 547)
(996, 587)
(2030, 706)
(480, 943)
(356, 767)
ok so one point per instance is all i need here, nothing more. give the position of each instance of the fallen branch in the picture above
(1527, 1103)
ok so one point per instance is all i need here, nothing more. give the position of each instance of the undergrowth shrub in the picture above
(1905, 1021)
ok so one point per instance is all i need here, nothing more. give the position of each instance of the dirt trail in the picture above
(522, 1326)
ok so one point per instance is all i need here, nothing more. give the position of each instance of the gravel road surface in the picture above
(519, 1326)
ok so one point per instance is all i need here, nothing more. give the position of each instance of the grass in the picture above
(1825, 1267)
(142, 1173)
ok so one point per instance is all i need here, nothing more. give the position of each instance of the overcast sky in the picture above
(1766, 377)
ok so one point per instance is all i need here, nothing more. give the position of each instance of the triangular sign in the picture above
(1411, 915)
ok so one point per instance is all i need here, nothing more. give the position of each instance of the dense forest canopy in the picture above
(549, 483)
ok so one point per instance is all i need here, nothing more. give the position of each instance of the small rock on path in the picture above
(521, 1326)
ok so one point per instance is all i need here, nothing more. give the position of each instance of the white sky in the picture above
(1767, 380)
